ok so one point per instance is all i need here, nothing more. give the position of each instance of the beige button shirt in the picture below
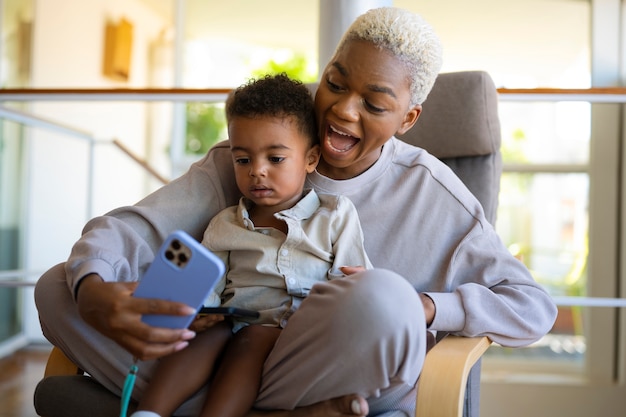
(271, 272)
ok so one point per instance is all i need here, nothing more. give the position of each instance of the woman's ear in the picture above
(409, 119)
(313, 158)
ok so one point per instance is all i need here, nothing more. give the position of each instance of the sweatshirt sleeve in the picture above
(492, 294)
(120, 245)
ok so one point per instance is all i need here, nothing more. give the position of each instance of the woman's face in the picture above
(362, 100)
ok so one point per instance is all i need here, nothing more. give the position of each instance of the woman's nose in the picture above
(347, 108)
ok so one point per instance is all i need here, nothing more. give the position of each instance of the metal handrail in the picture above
(39, 122)
(34, 121)
(576, 301)
(14, 278)
(31, 120)
(592, 95)
(114, 94)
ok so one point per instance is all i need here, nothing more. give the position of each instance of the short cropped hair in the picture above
(275, 96)
(407, 36)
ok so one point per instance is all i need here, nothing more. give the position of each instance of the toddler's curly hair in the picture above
(275, 96)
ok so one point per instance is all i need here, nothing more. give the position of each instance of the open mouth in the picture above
(340, 141)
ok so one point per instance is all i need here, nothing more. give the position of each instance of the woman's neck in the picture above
(350, 171)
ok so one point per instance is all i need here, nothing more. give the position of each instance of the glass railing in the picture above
(560, 176)
(123, 144)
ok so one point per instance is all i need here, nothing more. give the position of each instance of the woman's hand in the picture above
(348, 405)
(110, 308)
(349, 270)
(205, 321)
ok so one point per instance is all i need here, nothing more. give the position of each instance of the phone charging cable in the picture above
(129, 384)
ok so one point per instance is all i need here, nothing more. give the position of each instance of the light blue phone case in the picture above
(184, 271)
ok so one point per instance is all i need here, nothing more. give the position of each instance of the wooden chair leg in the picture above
(59, 364)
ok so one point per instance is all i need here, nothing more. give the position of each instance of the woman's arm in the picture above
(116, 249)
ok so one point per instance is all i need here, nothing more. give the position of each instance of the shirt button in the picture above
(284, 252)
(291, 281)
(283, 323)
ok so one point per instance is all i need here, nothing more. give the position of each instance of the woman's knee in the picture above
(49, 286)
(381, 296)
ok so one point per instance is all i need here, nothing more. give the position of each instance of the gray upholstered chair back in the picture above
(459, 124)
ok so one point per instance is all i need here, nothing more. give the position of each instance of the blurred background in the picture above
(67, 158)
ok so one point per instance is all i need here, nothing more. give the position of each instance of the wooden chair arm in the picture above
(444, 376)
(59, 364)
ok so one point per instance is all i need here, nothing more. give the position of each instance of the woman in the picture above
(357, 345)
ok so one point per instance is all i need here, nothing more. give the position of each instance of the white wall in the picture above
(68, 44)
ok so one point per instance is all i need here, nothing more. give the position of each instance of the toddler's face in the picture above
(271, 158)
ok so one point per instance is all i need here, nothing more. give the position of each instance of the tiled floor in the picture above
(19, 374)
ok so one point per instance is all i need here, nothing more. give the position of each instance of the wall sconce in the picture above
(118, 42)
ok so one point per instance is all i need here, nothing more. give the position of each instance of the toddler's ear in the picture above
(313, 158)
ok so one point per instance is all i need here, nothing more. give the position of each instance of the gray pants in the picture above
(364, 334)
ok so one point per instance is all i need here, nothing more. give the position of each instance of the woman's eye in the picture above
(332, 86)
(372, 108)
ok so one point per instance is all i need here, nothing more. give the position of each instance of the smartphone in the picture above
(183, 271)
(229, 311)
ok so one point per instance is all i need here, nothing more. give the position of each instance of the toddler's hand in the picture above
(205, 321)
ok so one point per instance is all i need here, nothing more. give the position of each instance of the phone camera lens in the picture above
(176, 244)
(182, 258)
(169, 255)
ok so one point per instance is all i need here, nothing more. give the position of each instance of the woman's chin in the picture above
(341, 156)
(335, 161)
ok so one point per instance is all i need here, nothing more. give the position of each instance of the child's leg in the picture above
(181, 374)
(238, 379)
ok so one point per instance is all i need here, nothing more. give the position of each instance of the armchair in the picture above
(459, 124)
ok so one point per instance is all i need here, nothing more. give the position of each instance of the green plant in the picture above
(296, 67)
(206, 122)
(206, 125)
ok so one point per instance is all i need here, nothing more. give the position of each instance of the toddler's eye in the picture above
(242, 161)
(277, 159)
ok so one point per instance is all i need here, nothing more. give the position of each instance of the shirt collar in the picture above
(304, 209)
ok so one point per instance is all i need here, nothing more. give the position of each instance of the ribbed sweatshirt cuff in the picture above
(449, 312)
(92, 266)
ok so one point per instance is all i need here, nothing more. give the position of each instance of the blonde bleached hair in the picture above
(408, 37)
